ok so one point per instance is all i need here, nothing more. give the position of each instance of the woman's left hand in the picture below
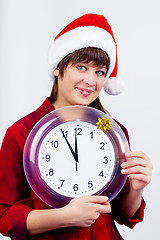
(139, 170)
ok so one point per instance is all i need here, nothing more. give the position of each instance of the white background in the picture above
(26, 31)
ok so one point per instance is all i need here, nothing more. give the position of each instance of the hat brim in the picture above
(80, 37)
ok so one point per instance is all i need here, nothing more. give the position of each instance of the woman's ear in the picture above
(56, 72)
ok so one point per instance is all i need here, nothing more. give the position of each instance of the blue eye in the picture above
(100, 73)
(82, 68)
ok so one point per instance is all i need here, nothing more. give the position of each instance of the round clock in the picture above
(75, 151)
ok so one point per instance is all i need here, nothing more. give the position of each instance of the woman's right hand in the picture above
(80, 212)
(84, 211)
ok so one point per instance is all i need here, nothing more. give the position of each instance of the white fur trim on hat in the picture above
(80, 37)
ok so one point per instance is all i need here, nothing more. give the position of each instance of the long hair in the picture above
(88, 54)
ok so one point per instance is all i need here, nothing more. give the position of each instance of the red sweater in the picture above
(17, 199)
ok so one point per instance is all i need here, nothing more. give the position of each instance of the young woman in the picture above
(82, 60)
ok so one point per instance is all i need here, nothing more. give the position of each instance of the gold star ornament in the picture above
(104, 124)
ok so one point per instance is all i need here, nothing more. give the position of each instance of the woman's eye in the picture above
(101, 73)
(82, 68)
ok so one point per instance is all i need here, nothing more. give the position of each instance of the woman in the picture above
(82, 60)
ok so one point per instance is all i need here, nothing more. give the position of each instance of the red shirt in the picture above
(17, 199)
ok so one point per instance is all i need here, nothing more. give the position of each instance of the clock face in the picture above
(86, 175)
(66, 156)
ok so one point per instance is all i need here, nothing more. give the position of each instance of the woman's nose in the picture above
(90, 78)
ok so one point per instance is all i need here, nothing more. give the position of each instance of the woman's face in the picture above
(80, 84)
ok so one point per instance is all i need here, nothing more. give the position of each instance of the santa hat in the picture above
(89, 30)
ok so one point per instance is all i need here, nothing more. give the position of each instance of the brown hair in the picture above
(88, 54)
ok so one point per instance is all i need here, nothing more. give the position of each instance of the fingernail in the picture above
(122, 165)
(105, 198)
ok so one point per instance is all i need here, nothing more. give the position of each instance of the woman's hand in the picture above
(84, 211)
(139, 170)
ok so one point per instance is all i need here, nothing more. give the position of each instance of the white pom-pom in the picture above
(113, 86)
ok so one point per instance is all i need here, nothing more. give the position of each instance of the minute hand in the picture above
(76, 148)
(71, 149)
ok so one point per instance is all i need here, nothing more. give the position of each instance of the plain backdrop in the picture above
(27, 28)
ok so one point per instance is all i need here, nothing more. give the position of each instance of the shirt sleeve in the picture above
(120, 217)
(15, 202)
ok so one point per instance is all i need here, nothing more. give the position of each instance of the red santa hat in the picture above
(89, 30)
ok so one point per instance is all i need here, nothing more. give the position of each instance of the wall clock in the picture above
(75, 151)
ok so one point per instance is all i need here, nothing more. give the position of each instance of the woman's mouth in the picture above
(85, 92)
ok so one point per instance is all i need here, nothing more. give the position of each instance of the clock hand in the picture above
(76, 148)
(71, 149)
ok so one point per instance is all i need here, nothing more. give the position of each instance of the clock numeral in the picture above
(62, 181)
(65, 133)
(101, 174)
(55, 144)
(75, 187)
(105, 160)
(102, 144)
(78, 131)
(90, 184)
(48, 158)
(91, 135)
(51, 172)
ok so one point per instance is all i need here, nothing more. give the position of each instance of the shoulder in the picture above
(24, 123)
(20, 130)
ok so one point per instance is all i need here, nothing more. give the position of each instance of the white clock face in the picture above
(75, 158)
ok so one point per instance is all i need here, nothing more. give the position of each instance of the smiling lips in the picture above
(85, 92)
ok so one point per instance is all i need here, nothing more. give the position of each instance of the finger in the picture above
(135, 162)
(97, 199)
(93, 219)
(96, 216)
(135, 170)
(102, 208)
(90, 222)
(140, 177)
(137, 154)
